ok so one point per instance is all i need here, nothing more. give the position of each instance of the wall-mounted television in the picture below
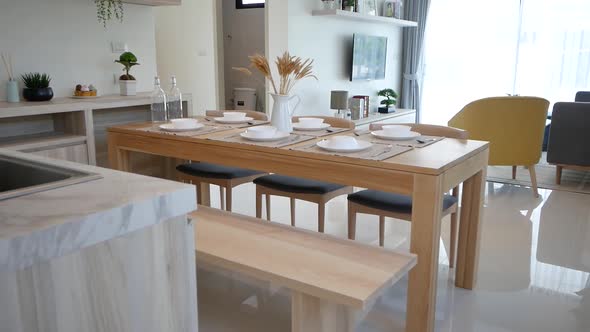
(369, 57)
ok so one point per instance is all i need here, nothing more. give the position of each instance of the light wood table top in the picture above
(424, 173)
(337, 270)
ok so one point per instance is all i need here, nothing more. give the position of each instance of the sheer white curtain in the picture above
(477, 49)
(554, 57)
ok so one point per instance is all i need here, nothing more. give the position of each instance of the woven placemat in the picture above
(320, 133)
(210, 121)
(413, 143)
(201, 131)
(292, 139)
(377, 152)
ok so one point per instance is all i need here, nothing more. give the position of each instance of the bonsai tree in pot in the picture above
(389, 101)
(127, 82)
(348, 5)
(37, 87)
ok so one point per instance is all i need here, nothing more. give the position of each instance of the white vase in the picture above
(128, 87)
(282, 111)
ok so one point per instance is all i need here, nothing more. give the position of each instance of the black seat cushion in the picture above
(207, 170)
(296, 185)
(391, 202)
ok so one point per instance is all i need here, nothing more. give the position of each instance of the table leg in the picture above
(118, 158)
(312, 314)
(425, 240)
(469, 230)
(204, 191)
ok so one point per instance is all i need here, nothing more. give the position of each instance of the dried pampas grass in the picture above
(291, 70)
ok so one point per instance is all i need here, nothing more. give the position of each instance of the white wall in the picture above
(243, 35)
(329, 42)
(187, 47)
(64, 39)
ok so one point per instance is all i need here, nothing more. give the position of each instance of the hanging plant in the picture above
(106, 10)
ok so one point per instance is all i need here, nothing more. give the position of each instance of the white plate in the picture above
(277, 137)
(224, 120)
(360, 146)
(403, 137)
(170, 127)
(297, 126)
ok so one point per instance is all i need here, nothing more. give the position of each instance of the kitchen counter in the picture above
(49, 224)
(104, 255)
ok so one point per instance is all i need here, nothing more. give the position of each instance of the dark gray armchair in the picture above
(583, 96)
(569, 138)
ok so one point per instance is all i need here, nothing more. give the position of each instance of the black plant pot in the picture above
(41, 94)
(386, 110)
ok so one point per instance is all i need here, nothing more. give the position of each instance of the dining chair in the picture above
(252, 114)
(513, 125)
(582, 96)
(200, 173)
(294, 188)
(399, 206)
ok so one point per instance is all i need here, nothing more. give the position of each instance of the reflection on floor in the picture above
(534, 269)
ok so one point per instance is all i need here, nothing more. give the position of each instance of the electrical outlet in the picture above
(119, 47)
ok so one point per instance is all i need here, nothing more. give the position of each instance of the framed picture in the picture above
(368, 7)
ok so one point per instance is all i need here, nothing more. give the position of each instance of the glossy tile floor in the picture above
(534, 269)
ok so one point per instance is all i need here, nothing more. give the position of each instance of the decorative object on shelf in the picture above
(388, 8)
(339, 102)
(329, 4)
(291, 70)
(12, 95)
(389, 102)
(37, 87)
(367, 105)
(357, 108)
(367, 7)
(127, 83)
(348, 5)
(85, 91)
(398, 8)
(106, 10)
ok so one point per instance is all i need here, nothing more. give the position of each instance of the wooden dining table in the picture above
(425, 173)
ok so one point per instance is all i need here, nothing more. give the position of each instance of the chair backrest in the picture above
(253, 114)
(513, 125)
(332, 121)
(430, 130)
(569, 138)
(583, 96)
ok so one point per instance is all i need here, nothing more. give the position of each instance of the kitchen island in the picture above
(115, 253)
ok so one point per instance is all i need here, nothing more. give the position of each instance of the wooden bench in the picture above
(333, 281)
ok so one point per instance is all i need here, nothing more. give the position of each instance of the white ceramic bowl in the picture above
(262, 131)
(184, 123)
(394, 130)
(342, 142)
(234, 116)
(310, 122)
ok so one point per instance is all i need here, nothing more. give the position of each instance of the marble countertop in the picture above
(50, 224)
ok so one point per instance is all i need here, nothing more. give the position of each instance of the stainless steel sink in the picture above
(20, 177)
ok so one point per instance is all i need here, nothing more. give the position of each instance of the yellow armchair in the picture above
(514, 126)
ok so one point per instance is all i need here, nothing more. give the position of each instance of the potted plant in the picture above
(37, 87)
(106, 10)
(127, 83)
(389, 101)
(348, 5)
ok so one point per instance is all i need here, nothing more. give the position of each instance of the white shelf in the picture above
(364, 18)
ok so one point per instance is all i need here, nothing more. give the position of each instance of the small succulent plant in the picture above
(36, 80)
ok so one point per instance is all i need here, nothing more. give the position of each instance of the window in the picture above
(242, 4)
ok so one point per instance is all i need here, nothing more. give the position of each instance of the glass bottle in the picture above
(158, 106)
(174, 98)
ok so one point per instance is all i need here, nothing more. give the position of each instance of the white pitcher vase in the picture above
(282, 111)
